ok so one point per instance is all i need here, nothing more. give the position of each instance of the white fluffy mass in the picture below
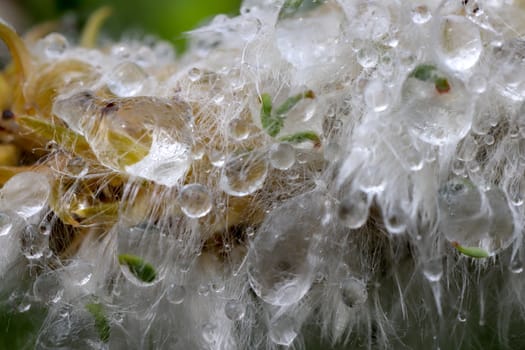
(309, 174)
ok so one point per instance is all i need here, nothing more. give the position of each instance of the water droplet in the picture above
(169, 156)
(395, 220)
(516, 266)
(34, 243)
(283, 330)
(353, 292)
(48, 288)
(458, 42)
(6, 223)
(54, 45)
(462, 316)
(332, 151)
(244, 174)
(176, 294)
(477, 84)
(433, 270)
(194, 74)
(488, 139)
(77, 167)
(26, 194)
(370, 20)
(376, 96)
(510, 75)
(217, 158)
(210, 333)
(421, 14)
(239, 129)
(282, 156)
(218, 98)
(309, 112)
(475, 218)
(368, 56)
(250, 232)
(126, 79)
(311, 40)
(45, 227)
(234, 310)
(79, 273)
(204, 289)
(146, 245)
(437, 116)
(249, 27)
(353, 210)
(282, 258)
(219, 286)
(195, 200)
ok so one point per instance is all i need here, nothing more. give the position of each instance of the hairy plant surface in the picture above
(332, 173)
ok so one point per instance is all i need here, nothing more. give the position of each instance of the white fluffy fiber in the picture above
(403, 229)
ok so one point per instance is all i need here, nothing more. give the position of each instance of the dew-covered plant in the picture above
(331, 173)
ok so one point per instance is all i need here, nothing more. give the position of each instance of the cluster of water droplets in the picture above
(292, 168)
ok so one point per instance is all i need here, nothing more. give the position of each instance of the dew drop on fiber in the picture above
(26, 194)
(244, 174)
(54, 45)
(175, 294)
(282, 156)
(195, 200)
(34, 244)
(458, 42)
(421, 14)
(48, 287)
(353, 209)
(126, 79)
(234, 310)
(281, 261)
(283, 330)
(239, 129)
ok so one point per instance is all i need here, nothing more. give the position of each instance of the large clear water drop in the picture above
(281, 261)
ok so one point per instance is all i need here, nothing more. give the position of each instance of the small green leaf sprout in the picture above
(473, 252)
(272, 120)
(101, 322)
(428, 72)
(144, 271)
(289, 8)
(302, 137)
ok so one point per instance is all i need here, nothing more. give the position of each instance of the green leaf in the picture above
(101, 322)
(292, 101)
(271, 123)
(424, 72)
(473, 252)
(273, 120)
(142, 270)
(442, 85)
(289, 8)
(428, 72)
(302, 137)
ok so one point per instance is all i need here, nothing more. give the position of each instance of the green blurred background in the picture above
(167, 19)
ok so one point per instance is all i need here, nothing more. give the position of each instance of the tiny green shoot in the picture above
(101, 322)
(271, 123)
(473, 252)
(272, 120)
(428, 72)
(144, 271)
(302, 137)
(289, 8)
